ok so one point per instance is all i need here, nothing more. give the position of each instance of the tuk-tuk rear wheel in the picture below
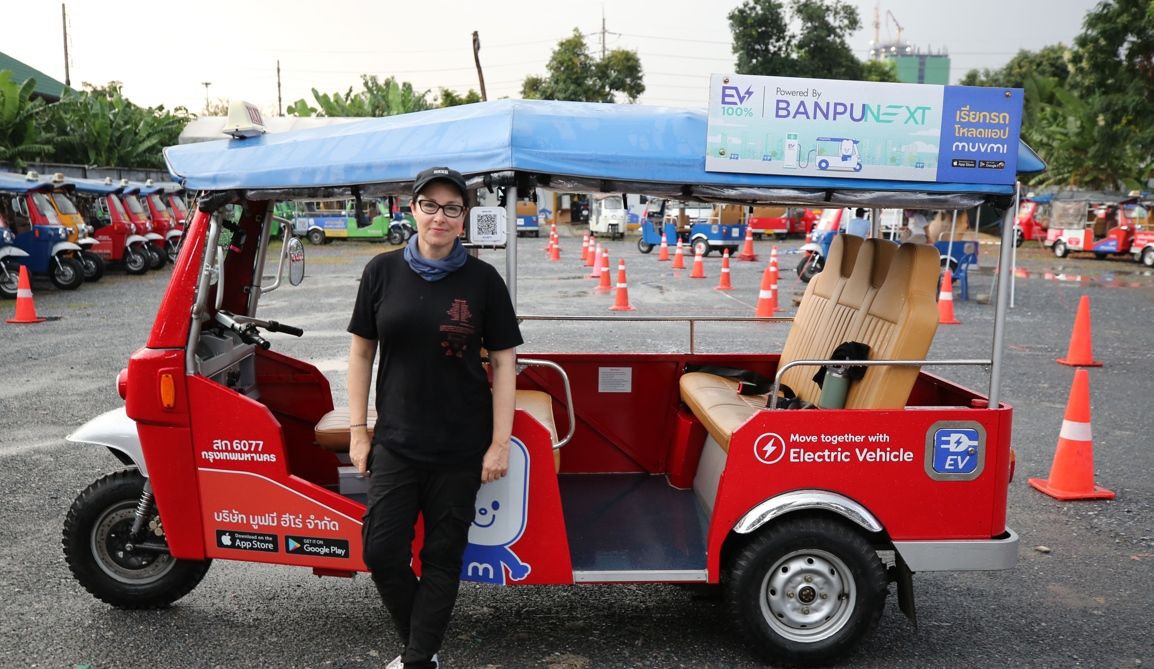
(9, 278)
(156, 258)
(396, 237)
(67, 273)
(643, 247)
(1148, 257)
(172, 249)
(701, 246)
(806, 591)
(316, 237)
(96, 548)
(1060, 249)
(93, 266)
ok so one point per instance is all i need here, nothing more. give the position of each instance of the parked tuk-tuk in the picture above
(1033, 218)
(790, 511)
(151, 230)
(116, 235)
(322, 221)
(781, 222)
(608, 217)
(39, 241)
(79, 232)
(164, 222)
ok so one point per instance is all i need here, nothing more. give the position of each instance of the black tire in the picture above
(1147, 257)
(316, 236)
(67, 273)
(172, 249)
(806, 591)
(396, 237)
(93, 266)
(643, 247)
(700, 245)
(758, 236)
(156, 258)
(809, 267)
(136, 260)
(1100, 256)
(9, 278)
(1019, 237)
(95, 532)
(536, 233)
(1060, 249)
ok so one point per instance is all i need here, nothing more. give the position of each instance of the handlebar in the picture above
(246, 328)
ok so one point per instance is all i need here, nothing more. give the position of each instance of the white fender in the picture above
(115, 431)
(14, 251)
(60, 247)
(152, 236)
(811, 247)
(134, 239)
(172, 234)
(87, 242)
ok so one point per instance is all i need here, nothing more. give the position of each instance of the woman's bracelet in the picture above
(359, 425)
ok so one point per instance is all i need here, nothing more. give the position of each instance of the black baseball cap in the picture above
(440, 174)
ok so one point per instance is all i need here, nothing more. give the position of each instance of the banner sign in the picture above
(863, 130)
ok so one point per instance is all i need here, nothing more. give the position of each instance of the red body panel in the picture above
(170, 329)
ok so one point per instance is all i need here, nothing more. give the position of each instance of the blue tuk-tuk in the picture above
(39, 241)
(701, 227)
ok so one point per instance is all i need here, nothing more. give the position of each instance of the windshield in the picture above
(119, 207)
(64, 204)
(46, 209)
(134, 204)
(157, 204)
(612, 202)
(178, 204)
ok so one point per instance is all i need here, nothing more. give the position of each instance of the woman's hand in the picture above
(359, 447)
(496, 462)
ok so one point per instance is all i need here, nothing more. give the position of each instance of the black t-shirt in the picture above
(434, 404)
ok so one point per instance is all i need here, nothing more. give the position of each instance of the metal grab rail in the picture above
(692, 320)
(773, 393)
(534, 362)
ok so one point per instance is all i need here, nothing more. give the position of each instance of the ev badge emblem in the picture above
(956, 451)
(769, 448)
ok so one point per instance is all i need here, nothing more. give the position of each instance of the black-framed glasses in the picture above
(452, 210)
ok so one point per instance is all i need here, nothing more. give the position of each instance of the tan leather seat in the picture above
(871, 291)
(332, 430)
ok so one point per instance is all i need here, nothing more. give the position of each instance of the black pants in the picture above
(398, 490)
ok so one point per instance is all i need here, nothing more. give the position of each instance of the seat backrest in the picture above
(898, 324)
(874, 292)
(808, 334)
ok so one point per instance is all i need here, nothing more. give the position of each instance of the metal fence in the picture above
(86, 172)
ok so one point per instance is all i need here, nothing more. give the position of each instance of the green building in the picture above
(46, 87)
(923, 68)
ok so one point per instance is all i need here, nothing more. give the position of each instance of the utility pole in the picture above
(477, 59)
(64, 20)
(278, 102)
(602, 32)
(206, 85)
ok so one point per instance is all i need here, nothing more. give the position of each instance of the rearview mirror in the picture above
(296, 256)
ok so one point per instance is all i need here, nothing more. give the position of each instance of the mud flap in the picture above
(905, 581)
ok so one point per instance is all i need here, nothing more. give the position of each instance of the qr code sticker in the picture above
(487, 224)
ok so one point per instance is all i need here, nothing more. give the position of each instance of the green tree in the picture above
(575, 75)
(21, 138)
(1051, 61)
(818, 47)
(450, 98)
(97, 125)
(377, 98)
(883, 69)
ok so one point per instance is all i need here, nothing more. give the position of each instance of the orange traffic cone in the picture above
(767, 296)
(1072, 472)
(584, 246)
(678, 257)
(946, 301)
(595, 262)
(774, 276)
(724, 282)
(663, 255)
(25, 307)
(591, 259)
(621, 300)
(1080, 353)
(555, 249)
(604, 286)
(747, 248)
(698, 271)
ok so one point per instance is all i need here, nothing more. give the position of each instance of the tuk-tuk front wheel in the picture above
(316, 236)
(701, 246)
(809, 267)
(105, 560)
(396, 236)
(135, 260)
(9, 278)
(67, 273)
(1148, 257)
(172, 249)
(1019, 237)
(806, 591)
(643, 247)
(156, 258)
(1060, 249)
(93, 266)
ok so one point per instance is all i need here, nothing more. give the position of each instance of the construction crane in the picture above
(878, 24)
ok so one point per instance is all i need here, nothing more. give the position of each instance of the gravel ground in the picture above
(1080, 595)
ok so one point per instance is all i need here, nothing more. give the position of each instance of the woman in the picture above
(440, 431)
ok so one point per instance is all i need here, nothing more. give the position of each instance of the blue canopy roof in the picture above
(568, 145)
(20, 183)
(94, 186)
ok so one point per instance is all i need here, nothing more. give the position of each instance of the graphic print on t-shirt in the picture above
(457, 331)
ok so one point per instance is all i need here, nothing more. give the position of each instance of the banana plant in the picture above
(21, 138)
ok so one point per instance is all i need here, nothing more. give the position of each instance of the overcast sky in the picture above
(163, 52)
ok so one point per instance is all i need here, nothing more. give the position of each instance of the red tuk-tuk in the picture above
(116, 237)
(1033, 218)
(1105, 226)
(633, 467)
(164, 220)
(152, 230)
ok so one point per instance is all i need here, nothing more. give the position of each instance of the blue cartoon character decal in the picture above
(502, 511)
